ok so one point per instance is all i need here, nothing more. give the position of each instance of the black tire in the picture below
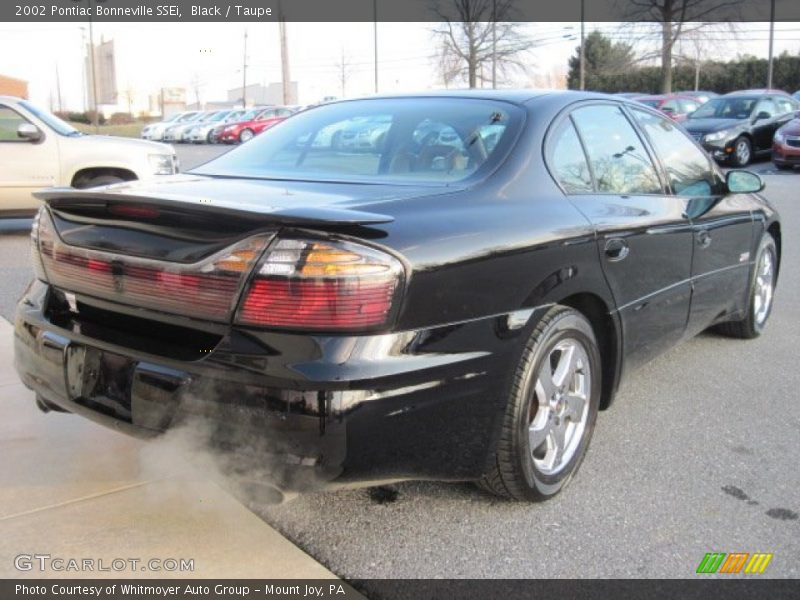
(210, 138)
(754, 323)
(736, 159)
(97, 181)
(514, 473)
(783, 167)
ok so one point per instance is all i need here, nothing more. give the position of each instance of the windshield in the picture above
(409, 140)
(219, 116)
(726, 108)
(49, 119)
(188, 117)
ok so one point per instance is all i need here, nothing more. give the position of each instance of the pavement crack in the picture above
(33, 511)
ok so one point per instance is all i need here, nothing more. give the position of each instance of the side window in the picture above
(10, 121)
(670, 107)
(619, 160)
(767, 106)
(688, 168)
(784, 106)
(567, 160)
(688, 106)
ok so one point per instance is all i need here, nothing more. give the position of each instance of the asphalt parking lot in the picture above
(698, 454)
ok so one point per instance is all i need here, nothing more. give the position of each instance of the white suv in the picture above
(38, 150)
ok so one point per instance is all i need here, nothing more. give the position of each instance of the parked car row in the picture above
(216, 126)
(739, 126)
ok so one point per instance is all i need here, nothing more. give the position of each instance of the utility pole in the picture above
(286, 77)
(582, 53)
(375, 39)
(95, 116)
(494, 44)
(771, 42)
(244, 71)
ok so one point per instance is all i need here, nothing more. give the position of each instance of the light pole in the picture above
(95, 115)
(244, 72)
(771, 43)
(582, 53)
(375, 39)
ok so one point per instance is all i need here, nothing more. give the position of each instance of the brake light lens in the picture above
(322, 286)
(206, 289)
(36, 258)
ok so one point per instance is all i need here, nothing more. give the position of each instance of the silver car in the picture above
(201, 132)
(174, 133)
(155, 131)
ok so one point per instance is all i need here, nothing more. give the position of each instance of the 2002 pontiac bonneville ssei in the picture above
(454, 301)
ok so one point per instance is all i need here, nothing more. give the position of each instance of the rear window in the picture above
(414, 140)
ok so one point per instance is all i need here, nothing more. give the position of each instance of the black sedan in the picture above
(456, 311)
(739, 126)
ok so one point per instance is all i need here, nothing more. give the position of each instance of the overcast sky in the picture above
(152, 55)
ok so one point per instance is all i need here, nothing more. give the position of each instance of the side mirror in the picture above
(743, 182)
(668, 110)
(762, 115)
(29, 132)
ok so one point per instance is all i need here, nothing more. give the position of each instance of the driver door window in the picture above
(688, 168)
(766, 106)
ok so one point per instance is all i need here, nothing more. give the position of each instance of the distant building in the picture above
(168, 101)
(105, 70)
(214, 105)
(264, 95)
(10, 86)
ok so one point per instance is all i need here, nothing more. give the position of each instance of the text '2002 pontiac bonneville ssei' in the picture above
(456, 302)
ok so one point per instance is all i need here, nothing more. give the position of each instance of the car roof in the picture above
(757, 92)
(515, 96)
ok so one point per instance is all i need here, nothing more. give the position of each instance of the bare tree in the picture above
(675, 18)
(475, 35)
(344, 66)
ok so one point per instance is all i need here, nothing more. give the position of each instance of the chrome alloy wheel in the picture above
(764, 286)
(742, 152)
(559, 408)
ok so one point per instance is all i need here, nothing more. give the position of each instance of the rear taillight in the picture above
(205, 289)
(36, 257)
(322, 285)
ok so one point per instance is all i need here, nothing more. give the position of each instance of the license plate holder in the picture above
(99, 380)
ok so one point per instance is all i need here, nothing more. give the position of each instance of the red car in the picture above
(246, 130)
(675, 106)
(786, 145)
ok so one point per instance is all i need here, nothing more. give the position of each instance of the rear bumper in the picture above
(303, 412)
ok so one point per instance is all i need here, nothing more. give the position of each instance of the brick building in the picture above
(13, 87)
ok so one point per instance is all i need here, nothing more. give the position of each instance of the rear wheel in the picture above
(782, 167)
(246, 135)
(551, 412)
(742, 152)
(762, 290)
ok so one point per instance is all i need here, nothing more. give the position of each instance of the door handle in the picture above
(703, 238)
(616, 249)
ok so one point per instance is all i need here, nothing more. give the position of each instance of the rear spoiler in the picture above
(64, 198)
